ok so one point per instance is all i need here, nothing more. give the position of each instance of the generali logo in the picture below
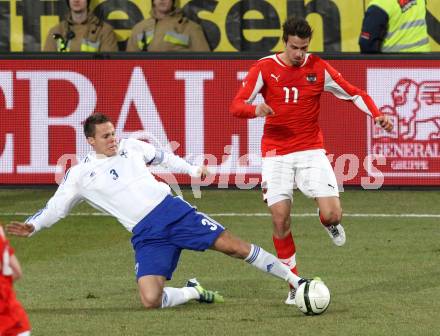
(411, 98)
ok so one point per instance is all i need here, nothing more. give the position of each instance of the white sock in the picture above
(268, 263)
(176, 296)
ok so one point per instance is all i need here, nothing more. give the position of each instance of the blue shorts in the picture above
(172, 226)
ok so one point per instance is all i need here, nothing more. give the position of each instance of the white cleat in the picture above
(336, 233)
(291, 297)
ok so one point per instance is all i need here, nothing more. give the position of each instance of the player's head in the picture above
(297, 34)
(295, 26)
(163, 6)
(100, 134)
(78, 5)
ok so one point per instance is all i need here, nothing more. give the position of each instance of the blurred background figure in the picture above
(13, 318)
(391, 26)
(167, 30)
(81, 31)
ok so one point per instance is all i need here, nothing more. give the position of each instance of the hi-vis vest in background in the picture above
(407, 29)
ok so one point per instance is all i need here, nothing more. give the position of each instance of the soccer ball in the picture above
(312, 297)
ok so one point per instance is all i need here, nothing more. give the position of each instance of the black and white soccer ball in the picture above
(312, 297)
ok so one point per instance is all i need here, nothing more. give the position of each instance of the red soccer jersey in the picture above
(293, 93)
(13, 318)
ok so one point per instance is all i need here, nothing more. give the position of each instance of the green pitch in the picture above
(79, 277)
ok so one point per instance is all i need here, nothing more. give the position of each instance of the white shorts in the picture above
(310, 171)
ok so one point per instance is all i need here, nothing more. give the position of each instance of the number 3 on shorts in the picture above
(206, 222)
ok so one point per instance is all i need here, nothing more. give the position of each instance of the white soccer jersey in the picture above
(120, 185)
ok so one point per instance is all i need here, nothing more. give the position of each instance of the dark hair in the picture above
(91, 122)
(295, 26)
(68, 3)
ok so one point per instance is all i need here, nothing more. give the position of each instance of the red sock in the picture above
(322, 219)
(286, 251)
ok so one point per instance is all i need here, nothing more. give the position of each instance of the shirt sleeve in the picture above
(154, 156)
(50, 44)
(64, 199)
(374, 29)
(340, 88)
(198, 39)
(109, 42)
(241, 105)
(132, 44)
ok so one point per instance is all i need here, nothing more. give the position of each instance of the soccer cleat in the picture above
(292, 292)
(291, 297)
(336, 233)
(206, 296)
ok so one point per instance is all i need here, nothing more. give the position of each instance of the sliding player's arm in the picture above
(64, 199)
(154, 157)
(179, 165)
(340, 88)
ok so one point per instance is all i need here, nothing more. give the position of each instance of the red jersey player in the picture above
(292, 145)
(13, 318)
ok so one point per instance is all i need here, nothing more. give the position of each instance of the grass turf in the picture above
(79, 277)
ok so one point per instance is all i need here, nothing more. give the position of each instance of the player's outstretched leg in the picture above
(268, 263)
(256, 256)
(205, 296)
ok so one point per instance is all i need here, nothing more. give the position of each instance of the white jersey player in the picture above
(115, 178)
(113, 184)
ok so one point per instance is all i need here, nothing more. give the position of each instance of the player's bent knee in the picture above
(151, 304)
(151, 301)
(281, 220)
(281, 223)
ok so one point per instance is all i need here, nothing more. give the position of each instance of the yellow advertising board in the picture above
(231, 25)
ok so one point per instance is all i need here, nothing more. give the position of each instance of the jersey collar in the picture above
(278, 59)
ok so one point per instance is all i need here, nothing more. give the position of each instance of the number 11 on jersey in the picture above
(294, 94)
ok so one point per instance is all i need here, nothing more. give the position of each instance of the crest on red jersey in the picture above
(311, 77)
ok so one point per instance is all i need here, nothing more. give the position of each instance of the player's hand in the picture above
(384, 122)
(20, 229)
(204, 171)
(263, 110)
(2, 233)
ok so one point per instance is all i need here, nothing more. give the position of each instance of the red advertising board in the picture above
(182, 105)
